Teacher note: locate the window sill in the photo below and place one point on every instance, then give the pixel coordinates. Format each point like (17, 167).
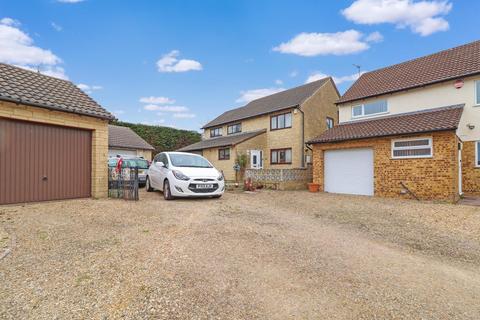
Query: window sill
(370, 115)
(280, 128)
(411, 158)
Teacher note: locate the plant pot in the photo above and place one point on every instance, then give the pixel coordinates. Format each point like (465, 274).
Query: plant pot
(313, 187)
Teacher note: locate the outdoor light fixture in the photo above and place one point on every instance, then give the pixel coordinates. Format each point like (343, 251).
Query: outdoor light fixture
(470, 126)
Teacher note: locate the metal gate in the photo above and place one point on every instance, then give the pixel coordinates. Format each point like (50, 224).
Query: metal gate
(123, 183)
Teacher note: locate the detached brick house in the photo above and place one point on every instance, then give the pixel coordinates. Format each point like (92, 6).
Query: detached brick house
(407, 130)
(270, 131)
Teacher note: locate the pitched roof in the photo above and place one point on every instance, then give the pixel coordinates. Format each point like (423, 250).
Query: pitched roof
(275, 102)
(124, 137)
(441, 66)
(31, 88)
(229, 140)
(438, 119)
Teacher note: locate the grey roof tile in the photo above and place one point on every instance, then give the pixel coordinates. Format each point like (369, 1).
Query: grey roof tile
(229, 140)
(430, 120)
(441, 66)
(279, 101)
(32, 88)
(124, 137)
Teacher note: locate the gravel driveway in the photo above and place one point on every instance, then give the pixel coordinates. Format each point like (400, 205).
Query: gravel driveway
(268, 255)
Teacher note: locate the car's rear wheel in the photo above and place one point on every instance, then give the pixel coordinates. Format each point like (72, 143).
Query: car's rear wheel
(148, 186)
(167, 194)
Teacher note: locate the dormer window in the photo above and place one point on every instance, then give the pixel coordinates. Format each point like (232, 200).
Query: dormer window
(368, 109)
(215, 132)
(234, 128)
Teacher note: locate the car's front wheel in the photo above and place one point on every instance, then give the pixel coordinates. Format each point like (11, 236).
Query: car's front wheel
(148, 186)
(167, 193)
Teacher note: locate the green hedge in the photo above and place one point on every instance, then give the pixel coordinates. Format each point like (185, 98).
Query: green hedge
(162, 138)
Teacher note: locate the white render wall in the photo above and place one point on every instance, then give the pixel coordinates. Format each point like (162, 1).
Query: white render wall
(432, 96)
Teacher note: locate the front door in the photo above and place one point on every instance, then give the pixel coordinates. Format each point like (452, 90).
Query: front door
(256, 161)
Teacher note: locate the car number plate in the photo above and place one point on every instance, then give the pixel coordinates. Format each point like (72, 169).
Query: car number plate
(204, 186)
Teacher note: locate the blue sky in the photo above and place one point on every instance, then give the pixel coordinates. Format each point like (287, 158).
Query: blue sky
(182, 63)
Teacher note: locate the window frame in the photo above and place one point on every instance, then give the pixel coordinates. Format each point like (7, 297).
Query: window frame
(477, 165)
(477, 93)
(278, 157)
(330, 119)
(220, 130)
(238, 124)
(430, 144)
(362, 105)
(225, 156)
(278, 115)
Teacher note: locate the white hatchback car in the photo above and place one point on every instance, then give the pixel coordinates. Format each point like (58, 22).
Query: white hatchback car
(180, 174)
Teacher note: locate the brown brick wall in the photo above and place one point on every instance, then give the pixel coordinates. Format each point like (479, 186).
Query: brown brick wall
(429, 178)
(471, 173)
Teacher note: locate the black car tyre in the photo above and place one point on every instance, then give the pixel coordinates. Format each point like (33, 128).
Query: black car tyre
(167, 194)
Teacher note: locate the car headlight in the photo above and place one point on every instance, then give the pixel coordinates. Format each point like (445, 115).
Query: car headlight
(180, 176)
(220, 176)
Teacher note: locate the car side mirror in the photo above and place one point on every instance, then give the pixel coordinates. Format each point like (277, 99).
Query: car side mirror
(160, 164)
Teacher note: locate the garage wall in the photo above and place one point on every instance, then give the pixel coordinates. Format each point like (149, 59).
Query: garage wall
(470, 172)
(429, 178)
(99, 129)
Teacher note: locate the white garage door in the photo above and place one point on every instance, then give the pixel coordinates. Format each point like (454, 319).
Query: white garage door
(349, 171)
(115, 152)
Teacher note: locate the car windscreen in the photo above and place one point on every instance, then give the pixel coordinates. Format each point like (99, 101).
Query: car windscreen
(142, 164)
(189, 160)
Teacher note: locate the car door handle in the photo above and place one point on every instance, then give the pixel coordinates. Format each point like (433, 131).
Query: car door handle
(44, 178)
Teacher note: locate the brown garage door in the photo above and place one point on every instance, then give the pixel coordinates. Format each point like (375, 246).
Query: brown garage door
(43, 162)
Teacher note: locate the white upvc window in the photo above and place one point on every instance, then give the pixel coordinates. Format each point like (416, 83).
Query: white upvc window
(477, 92)
(412, 148)
(372, 108)
(477, 154)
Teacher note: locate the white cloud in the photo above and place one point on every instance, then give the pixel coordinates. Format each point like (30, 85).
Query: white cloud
(88, 88)
(17, 48)
(117, 113)
(294, 73)
(152, 107)
(422, 17)
(153, 122)
(316, 76)
(374, 37)
(170, 63)
(57, 27)
(278, 82)
(249, 95)
(9, 22)
(338, 80)
(156, 100)
(184, 115)
(315, 44)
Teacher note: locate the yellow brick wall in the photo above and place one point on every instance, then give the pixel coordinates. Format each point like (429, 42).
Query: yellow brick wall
(99, 136)
(223, 165)
(146, 154)
(470, 172)
(318, 107)
(429, 178)
(242, 148)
